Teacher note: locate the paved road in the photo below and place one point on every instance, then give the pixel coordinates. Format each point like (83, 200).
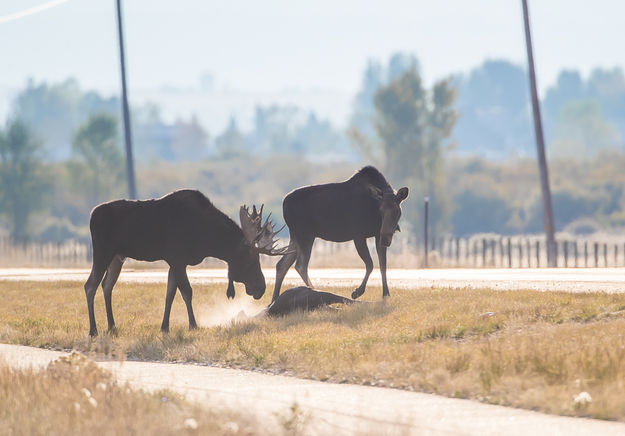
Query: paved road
(327, 408)
(572, 279)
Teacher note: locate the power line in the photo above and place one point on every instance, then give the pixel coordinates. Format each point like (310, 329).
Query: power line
(31, 11)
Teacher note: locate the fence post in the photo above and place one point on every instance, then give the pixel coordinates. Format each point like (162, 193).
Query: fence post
(426, 200)
(509, 252)
(615, 254)
(475, 252)
(537, 253)
(596, 247)
(555, 246)
(483, 252)
(575, 253)
(457, 251)
(565, 247)
(586, 254)
(605, 255)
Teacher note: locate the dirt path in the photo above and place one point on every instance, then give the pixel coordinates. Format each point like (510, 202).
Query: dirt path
(544, 279)
(327, 408)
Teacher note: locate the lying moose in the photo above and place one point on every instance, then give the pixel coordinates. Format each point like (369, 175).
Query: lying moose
(302, 298)
(361, 207)
(181, 228)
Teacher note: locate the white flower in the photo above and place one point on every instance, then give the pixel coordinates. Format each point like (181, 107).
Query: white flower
(190, 423)
(93, 402)
(582, 399)
(231, 426)
(87, 392)
(101, 386)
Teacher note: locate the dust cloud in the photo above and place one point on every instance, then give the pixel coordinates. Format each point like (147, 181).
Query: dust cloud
(231, 311)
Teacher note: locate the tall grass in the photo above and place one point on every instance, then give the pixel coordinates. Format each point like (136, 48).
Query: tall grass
(74, 396)
(537, 350)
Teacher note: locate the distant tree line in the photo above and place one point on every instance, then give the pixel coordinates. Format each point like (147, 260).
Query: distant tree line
(61, 154)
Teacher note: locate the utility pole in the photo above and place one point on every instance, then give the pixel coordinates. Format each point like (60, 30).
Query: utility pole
(540, 147)
(130, 167)
(426, 201)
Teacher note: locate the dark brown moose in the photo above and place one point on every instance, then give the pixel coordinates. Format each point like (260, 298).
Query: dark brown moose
(303, 299)
(181, 228)
(361, 207)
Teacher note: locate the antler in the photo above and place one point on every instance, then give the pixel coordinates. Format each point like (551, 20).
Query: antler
(260, 236)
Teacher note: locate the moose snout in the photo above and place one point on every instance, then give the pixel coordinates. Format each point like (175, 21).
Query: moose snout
(386, 240)
(257, 291)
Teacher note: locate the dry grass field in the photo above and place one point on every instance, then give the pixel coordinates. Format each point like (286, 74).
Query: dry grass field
(536, 350)
(74, 396)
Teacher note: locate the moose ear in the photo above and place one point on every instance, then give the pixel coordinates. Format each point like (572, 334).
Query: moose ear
(375, 192)
(402, 194)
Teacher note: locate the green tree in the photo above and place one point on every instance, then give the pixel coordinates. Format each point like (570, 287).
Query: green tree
(413, 128)
(493, 101)
(23, 180)
(97, 167)
(54, 110)
(582, 131)
(231, 143)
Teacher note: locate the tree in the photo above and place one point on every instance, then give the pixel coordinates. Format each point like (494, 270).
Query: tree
(477, 212)
(602, 95)
(23, 180)
(53, 111)
(97, 167)
(376, 75)
(582, 131)
(189, 141)
(413, 130)
(494, 122)
(230, 143)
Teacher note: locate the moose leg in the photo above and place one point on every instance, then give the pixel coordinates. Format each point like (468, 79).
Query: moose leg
(363, 252)
(91, 286)
(169, 299)
(283, 267)
(382, 260)
(112, 274)
(180, 273)
(303, 257)
(230, 291)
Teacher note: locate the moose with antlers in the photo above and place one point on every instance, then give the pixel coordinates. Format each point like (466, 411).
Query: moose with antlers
(181, 228)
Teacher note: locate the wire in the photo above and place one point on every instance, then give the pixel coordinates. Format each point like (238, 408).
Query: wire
(31, 11)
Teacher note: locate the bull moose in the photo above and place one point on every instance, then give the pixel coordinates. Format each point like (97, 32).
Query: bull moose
(361, 207)
(181, 228)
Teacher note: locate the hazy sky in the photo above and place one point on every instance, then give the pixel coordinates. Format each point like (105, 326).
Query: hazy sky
(277, 44)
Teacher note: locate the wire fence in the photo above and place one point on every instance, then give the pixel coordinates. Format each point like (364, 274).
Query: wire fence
(477, 251)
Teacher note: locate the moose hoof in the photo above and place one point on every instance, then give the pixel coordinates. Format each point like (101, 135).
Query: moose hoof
(357, 293)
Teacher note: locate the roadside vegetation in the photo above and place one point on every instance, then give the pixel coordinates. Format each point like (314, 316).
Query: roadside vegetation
(536, 350)
(73, 396)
